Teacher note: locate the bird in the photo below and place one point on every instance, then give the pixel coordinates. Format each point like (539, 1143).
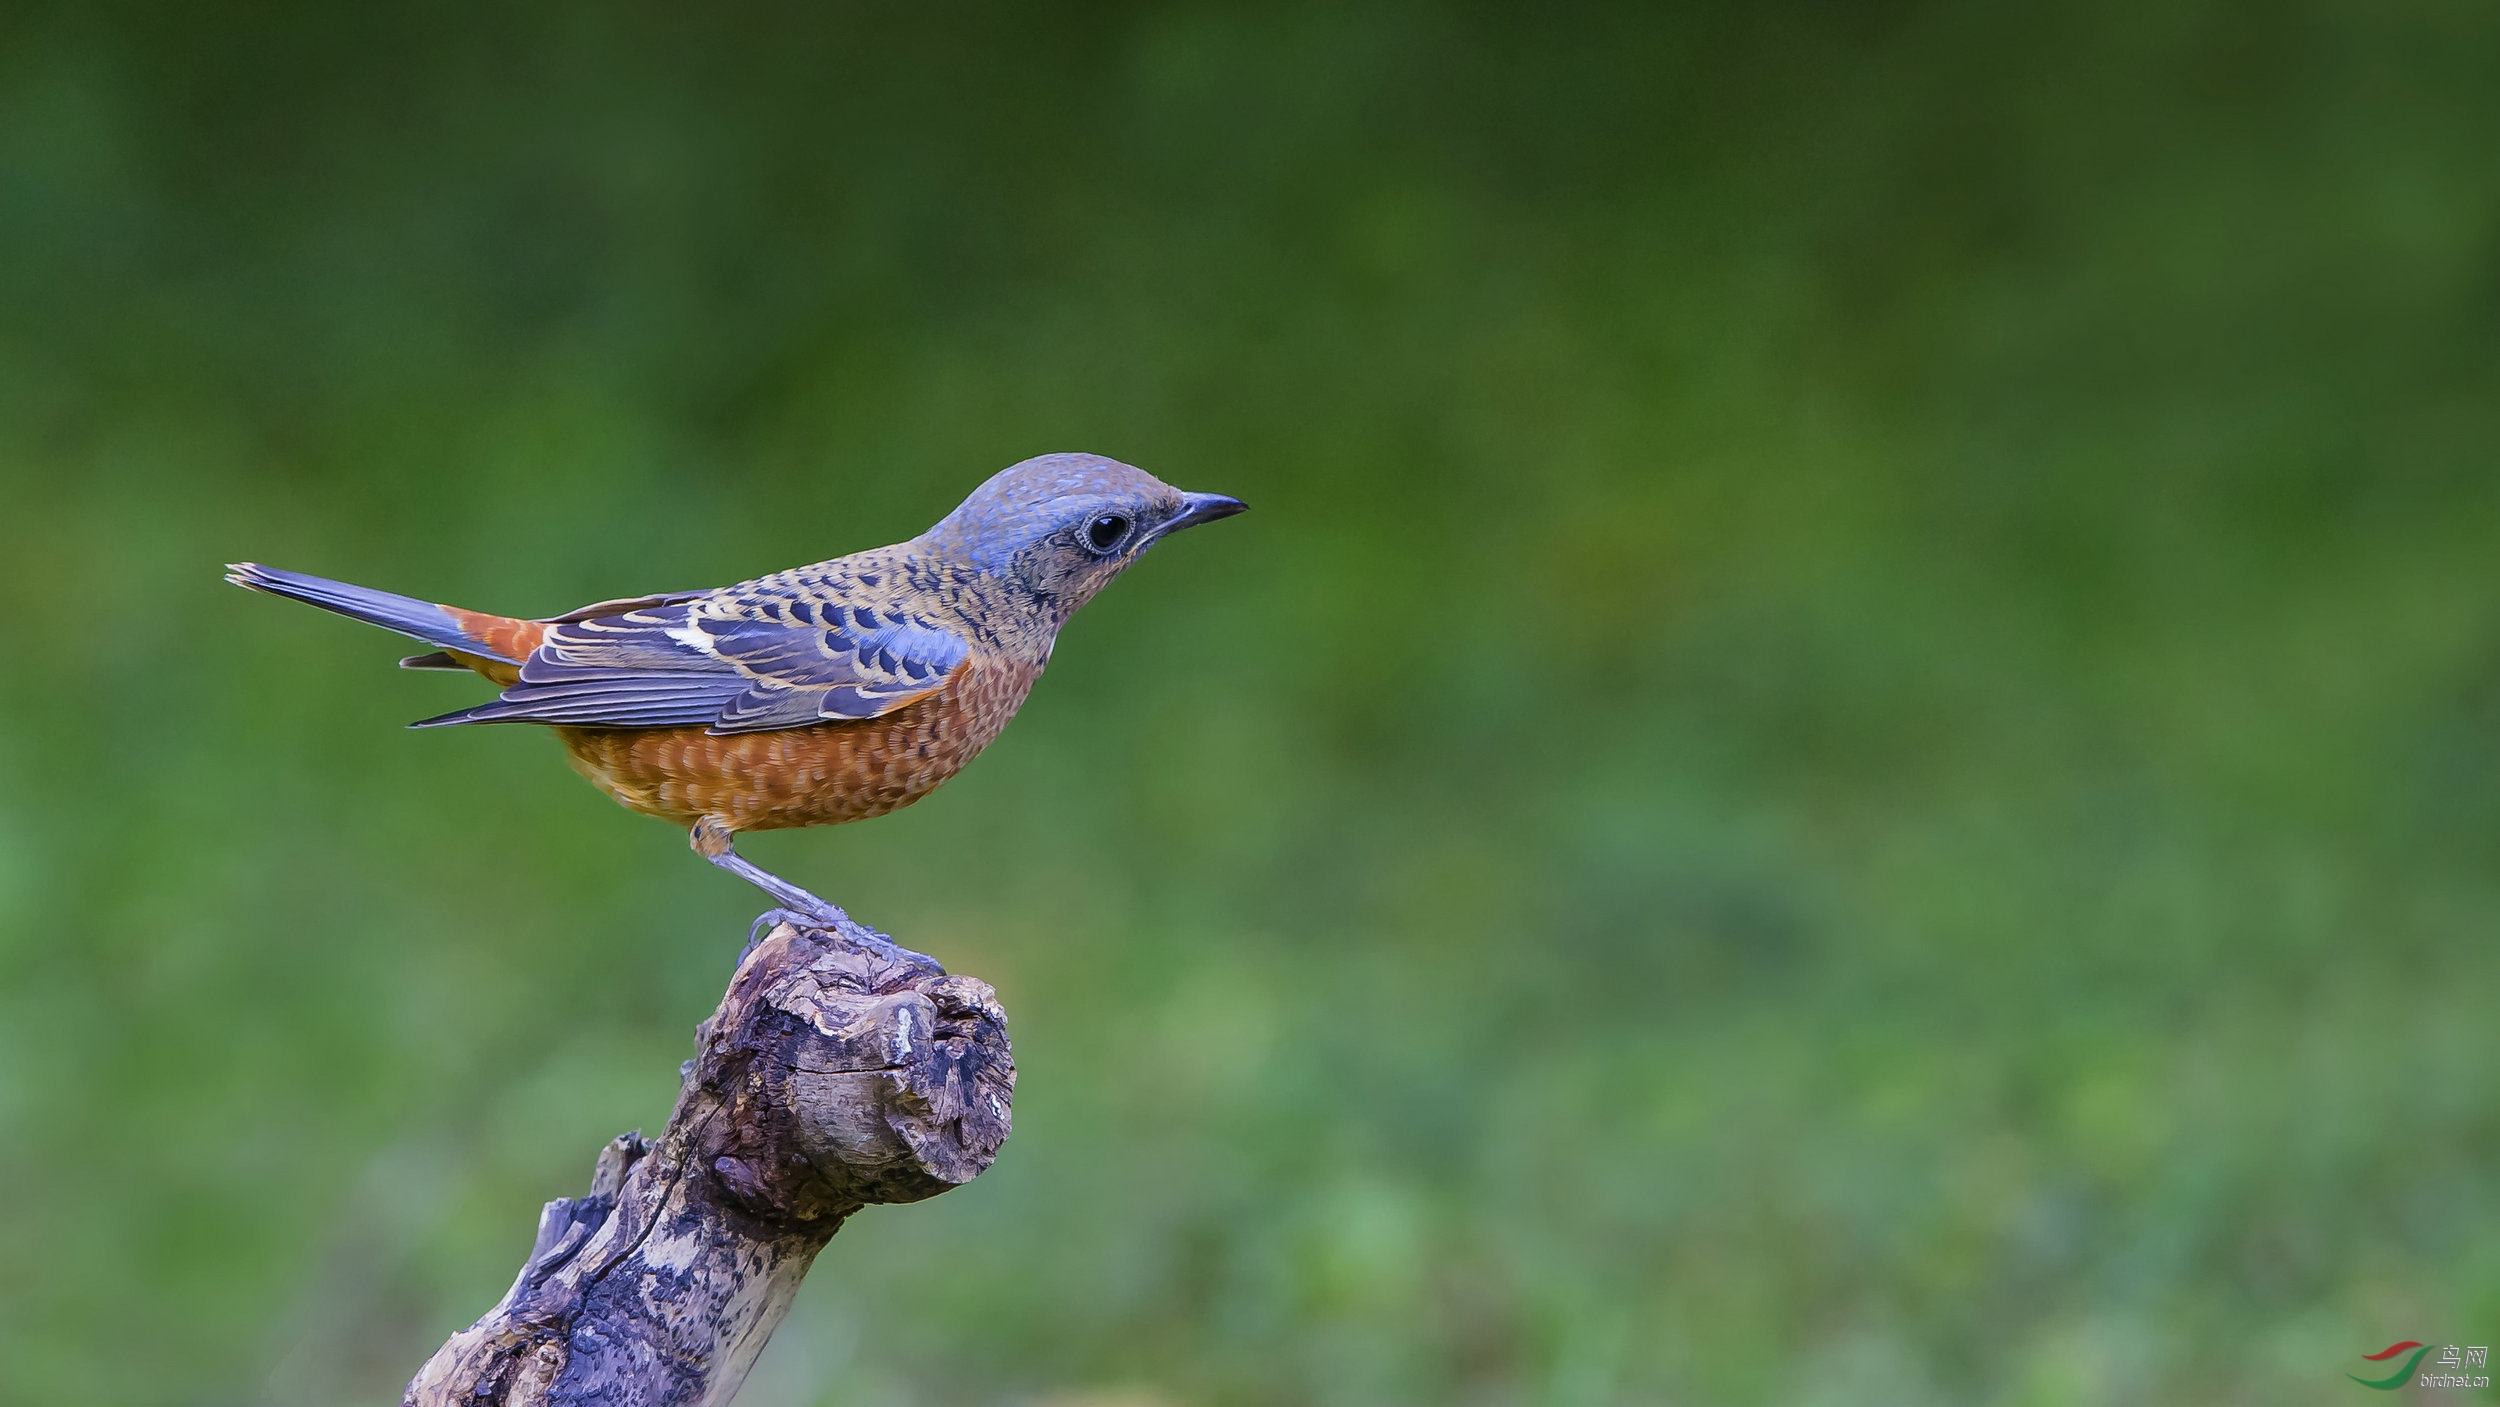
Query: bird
(815, 696)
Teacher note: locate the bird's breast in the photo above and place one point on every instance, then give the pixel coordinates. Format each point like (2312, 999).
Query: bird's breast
(820, 775)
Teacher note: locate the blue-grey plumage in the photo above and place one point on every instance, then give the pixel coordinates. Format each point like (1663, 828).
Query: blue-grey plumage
(812, 696)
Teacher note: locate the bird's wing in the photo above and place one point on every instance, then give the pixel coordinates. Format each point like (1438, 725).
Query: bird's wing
(812, 661)
(745, 661)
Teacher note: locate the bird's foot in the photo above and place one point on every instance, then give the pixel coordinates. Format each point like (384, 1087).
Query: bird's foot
(850, 931)
(826, 919)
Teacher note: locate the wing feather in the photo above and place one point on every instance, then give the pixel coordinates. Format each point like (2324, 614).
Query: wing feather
(743, 661)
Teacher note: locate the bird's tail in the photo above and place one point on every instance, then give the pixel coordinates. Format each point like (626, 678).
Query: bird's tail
(497, 638)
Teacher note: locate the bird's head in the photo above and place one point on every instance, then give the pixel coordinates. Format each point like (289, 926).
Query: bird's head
(1061, 526)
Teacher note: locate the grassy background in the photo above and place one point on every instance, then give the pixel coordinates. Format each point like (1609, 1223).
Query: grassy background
(1853, 756)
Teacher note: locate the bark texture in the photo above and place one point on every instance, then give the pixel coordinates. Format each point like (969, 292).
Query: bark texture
(838, 1071)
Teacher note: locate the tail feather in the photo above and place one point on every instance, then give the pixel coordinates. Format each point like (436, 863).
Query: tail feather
(435, 625)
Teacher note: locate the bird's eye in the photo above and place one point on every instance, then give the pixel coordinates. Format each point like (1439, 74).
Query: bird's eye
(1106, 531)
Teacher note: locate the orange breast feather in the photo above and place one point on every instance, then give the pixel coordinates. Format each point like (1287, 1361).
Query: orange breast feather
(819, 775)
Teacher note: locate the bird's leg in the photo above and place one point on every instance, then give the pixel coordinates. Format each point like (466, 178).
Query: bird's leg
(714, 841)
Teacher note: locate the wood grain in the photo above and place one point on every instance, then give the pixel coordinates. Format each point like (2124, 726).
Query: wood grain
(828, 1079)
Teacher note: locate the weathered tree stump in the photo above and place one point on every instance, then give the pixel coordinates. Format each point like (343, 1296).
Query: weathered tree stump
(838, 1071)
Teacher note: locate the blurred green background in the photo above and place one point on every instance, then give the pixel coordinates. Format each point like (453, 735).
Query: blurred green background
(1853, 755)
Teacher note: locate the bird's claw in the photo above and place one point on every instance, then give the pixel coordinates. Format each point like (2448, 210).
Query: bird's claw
(764, 924)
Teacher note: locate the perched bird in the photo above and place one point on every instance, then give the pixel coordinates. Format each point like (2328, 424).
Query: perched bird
(813, 696)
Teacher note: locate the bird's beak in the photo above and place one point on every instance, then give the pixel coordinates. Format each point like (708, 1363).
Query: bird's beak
(1202, 508)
